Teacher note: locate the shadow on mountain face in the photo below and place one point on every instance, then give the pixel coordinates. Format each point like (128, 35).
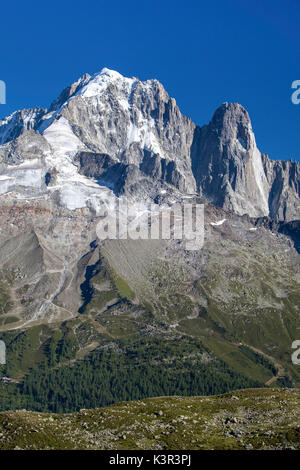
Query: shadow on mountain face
(292, 230)
(87, 290)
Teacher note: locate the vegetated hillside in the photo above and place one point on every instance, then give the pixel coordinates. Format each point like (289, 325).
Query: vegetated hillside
(249, 419)
(155, 319)
(150, 366)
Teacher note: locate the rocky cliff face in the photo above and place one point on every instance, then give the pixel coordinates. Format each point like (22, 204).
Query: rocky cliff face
(108, 133)
(106, 136)
(232, 173)
(284, 184)
(246, 420)
(227, 164)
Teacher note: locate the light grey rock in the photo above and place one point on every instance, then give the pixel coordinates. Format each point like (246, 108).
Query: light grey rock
(12, 126)
(284, 194)
(68, 92)
(232, 173)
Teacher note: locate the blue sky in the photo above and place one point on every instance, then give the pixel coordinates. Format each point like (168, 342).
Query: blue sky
(203, 52)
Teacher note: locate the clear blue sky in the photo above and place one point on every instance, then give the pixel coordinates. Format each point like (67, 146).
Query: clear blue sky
(204, 52)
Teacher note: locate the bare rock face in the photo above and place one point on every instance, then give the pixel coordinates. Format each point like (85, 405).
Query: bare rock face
(14, 125)
(133, 122)
(28, 146)
(284, 195)
(112, 133)
(232, 173)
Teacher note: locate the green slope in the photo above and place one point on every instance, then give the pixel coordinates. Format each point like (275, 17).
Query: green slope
(248, 419)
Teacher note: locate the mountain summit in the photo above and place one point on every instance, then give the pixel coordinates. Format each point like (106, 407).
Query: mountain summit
(107, 132)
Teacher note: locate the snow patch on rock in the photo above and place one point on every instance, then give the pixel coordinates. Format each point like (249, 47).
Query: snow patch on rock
(219, 222)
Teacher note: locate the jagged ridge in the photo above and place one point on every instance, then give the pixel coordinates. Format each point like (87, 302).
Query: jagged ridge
(130, 136)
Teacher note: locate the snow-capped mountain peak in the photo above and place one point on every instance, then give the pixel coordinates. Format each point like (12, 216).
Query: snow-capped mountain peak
(107, 132)
(99, 83)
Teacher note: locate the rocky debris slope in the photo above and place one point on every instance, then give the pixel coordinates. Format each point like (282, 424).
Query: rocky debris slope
(242, 286)
(257, 419)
